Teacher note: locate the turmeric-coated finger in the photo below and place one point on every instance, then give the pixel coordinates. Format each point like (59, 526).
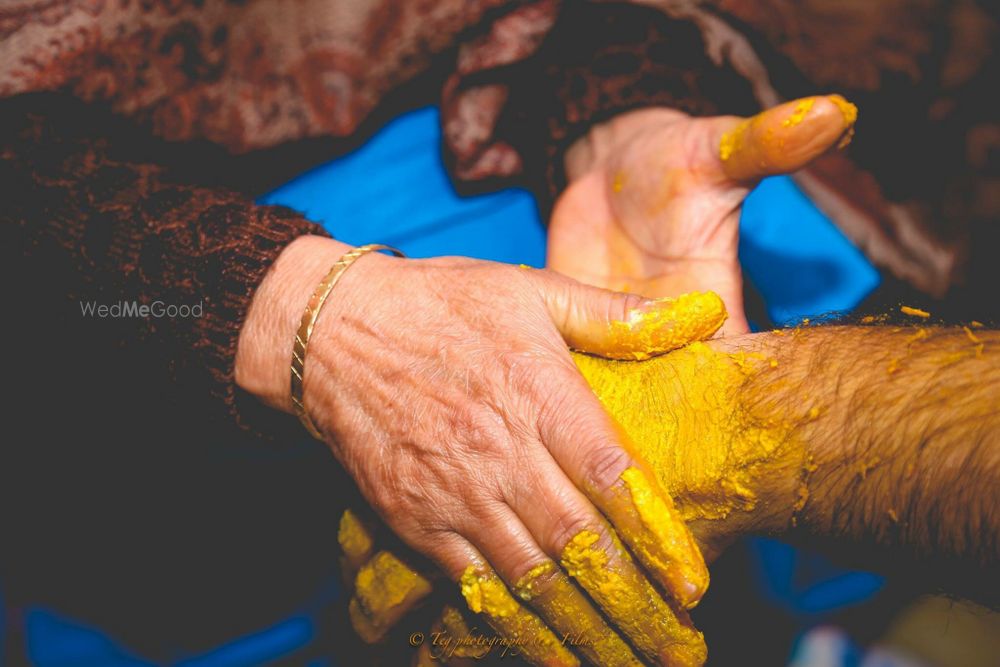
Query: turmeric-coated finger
(568, 611)
(662, 632)
(661, 325)
(357, 543)
(645, 518)
(525, 634)
(786, 137)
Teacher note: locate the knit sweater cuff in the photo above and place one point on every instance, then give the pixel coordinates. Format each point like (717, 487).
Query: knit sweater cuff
(268, 230)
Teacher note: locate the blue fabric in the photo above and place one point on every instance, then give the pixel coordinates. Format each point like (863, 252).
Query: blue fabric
(55, 641)
(800, 262)
(395, 190)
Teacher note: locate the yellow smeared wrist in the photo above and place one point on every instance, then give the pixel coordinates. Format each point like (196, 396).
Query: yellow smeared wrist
(716, 452)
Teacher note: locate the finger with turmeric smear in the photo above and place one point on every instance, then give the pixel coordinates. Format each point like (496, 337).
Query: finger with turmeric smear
(385, 589)
(784, 138)
(647, 520)
(525, 634)
(657, 326)
(568, 611)
(662, 632)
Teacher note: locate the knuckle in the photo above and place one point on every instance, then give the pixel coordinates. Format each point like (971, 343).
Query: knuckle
(567, 525)
(619, 304)
(445, 548)
(603, 465)
(560, 410)
(483, 512)
(519, 369)
(475, 429)
(537, 580)
(394, 508)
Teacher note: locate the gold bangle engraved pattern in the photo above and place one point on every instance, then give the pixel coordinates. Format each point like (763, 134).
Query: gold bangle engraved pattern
(308, 322)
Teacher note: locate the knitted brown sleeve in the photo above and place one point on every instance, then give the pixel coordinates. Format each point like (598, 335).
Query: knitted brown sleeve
(102, 229)
(597, 61)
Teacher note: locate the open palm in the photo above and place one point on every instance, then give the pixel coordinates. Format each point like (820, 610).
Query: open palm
(654, 197)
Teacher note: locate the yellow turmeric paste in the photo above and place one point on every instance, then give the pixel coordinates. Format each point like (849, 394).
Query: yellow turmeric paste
(801, 109)
(685, 420)
(850, 113)
(665, 534)
(552, 592)
(384, 589)
(733, 140)
(453, 622)
(915, 312)
(618, 182)
(354, 539)
(530, 638)
(664, 325)
(849, 110)
(675, 641)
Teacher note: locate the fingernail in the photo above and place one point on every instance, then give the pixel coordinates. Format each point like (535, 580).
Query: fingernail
(849, 110)
(850, 114)
(667, 546)
(660, 325)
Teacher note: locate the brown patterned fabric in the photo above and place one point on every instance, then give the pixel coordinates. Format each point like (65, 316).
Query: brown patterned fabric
(243, 74)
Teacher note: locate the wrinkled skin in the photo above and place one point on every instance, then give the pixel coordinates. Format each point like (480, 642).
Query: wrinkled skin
(446, 389)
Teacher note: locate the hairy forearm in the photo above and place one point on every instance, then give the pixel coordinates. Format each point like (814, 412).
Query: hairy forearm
(902, 432)
(866, 434)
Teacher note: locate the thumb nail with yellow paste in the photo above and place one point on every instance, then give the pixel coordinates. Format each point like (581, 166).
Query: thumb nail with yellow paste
(662, 325)
(786, 137)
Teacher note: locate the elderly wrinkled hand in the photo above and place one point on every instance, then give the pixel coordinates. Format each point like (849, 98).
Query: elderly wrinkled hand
(446, 390)
(682, 414)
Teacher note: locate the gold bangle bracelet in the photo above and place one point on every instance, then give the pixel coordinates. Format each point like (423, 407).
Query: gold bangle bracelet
(308, 322)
